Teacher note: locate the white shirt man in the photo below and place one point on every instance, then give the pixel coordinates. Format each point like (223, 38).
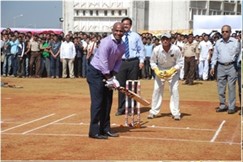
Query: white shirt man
(205, 47)
(67, 55)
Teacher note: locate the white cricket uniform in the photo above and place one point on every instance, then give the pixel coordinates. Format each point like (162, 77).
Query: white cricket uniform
(203, 65)
(164, 61)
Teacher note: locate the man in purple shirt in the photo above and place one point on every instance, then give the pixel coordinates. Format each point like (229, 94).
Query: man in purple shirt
(104, 65)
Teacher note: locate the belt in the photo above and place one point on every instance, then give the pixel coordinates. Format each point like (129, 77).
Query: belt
(226, 63)
(189, 56)
(130, 59)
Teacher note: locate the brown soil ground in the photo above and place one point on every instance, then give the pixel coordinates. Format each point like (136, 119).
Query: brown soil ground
(48, 119)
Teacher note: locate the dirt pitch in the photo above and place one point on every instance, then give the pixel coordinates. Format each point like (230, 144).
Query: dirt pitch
(48, 119)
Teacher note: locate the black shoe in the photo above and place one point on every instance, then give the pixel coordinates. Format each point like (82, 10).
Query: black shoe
(109, 134)
(185, 83)
(118, 113)
(231, 111)
(221, 110)
(98, 136)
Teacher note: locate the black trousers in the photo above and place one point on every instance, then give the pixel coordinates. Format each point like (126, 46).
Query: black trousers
(189, 69)
(129, 71)
(101, 101)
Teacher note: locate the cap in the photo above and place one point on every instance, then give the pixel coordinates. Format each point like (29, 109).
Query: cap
(167, 35)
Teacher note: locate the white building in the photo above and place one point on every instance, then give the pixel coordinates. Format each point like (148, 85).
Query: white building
(94, 16)
(153, 16)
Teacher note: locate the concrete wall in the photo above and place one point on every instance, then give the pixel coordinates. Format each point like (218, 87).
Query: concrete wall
(74, 19)
(68, 16)
(168, 15)
(153, 15)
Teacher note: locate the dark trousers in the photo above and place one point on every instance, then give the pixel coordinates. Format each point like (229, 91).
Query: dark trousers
(21, 66)
(189, 69)
(78, 66)
(55, 66)
(101, 102)
(35, 57)
(15, 65)
(128, 71)
(147, 68)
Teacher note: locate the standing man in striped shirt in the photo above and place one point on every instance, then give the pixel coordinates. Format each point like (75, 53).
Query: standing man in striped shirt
(226, 53)
(103, 66)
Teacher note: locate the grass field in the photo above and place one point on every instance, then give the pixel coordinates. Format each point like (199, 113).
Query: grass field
(48, 119)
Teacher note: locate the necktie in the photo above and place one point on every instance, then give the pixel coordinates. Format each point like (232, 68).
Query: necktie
(127, 46)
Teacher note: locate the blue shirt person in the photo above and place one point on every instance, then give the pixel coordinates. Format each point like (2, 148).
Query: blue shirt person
(14, 43)
(225, 54)
(104, 65)
(148, 52)
(132, 61)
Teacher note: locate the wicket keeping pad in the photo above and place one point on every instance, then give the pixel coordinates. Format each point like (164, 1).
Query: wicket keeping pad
(134, 96)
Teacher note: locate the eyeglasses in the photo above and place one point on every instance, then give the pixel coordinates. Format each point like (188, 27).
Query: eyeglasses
(225, 31)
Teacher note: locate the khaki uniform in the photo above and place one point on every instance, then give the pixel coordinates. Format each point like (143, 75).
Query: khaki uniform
(190, 53)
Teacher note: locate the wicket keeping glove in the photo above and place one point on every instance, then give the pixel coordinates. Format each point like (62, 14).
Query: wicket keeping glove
(112, 83)
(159, 73)
(170, 72)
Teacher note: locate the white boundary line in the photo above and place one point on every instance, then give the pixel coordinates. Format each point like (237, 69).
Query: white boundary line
(217, 132)
(48, 124)
(153, 126)
(181, 128)
(124, 137)
(32, 121)
(235, 133)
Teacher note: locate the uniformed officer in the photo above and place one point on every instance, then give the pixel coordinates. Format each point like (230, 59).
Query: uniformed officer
(191, 56)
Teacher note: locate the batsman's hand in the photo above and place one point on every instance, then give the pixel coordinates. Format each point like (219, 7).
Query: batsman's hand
(112, 83)
(169, 73)
(159, 73)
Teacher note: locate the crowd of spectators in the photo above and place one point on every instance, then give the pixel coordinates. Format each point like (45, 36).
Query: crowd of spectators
(41, 55)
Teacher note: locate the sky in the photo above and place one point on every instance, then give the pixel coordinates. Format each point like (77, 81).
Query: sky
(35, 14)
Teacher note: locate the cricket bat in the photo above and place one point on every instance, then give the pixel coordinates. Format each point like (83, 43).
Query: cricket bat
(133, 95)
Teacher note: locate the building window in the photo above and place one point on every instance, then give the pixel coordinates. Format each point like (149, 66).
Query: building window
(91, 13)
(105, 12)
(77, 13)
(126, 12)
(84, 12)
(97, 13)
(112, 12)
(193, 12)
(120, 12)
(203, 12)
